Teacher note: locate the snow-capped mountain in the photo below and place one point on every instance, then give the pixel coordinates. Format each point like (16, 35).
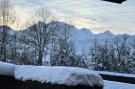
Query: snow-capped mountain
(105, 35)
(82, 38)
(82, 34)
(86, 34)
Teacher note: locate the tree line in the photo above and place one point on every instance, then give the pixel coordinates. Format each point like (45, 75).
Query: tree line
(117, 55)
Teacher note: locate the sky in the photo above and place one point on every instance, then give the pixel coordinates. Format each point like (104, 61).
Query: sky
(96, 15)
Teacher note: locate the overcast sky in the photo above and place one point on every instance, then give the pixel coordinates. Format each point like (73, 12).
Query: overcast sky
(96, 15)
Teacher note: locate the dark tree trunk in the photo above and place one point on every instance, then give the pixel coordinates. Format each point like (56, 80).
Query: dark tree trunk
(4, 42)
(39, 62)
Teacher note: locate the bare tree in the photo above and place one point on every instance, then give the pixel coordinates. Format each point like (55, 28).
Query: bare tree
(112, 56)
(122, 54)
(7, 17)
(93, 51)
(63, 51)
(38, 35)
(15, 41)
(117, 42)
(63, 47)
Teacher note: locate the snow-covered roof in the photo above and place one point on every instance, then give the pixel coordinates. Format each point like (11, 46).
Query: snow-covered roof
(7, 69)
(58, 75)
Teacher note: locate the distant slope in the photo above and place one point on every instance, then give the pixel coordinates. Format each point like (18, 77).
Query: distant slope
(82, 38)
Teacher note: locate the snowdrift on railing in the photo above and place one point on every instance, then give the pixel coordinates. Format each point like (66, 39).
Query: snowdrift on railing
(70, 76)
(7, 69)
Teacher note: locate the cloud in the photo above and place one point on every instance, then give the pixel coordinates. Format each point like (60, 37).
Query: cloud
(96, 14)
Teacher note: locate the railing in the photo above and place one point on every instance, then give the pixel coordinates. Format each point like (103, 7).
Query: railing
(118, 78)
(9, 82)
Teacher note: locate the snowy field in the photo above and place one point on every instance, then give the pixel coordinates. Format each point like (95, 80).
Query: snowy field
(117, 85)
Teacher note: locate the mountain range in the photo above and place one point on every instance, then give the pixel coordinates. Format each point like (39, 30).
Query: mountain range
(83, 38)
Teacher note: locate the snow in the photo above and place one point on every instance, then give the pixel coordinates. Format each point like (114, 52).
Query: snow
(116, 74)
(58, 75)
(117, 85)
(63, 75)
(7, 69)
(107, 35)
(55, 75)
